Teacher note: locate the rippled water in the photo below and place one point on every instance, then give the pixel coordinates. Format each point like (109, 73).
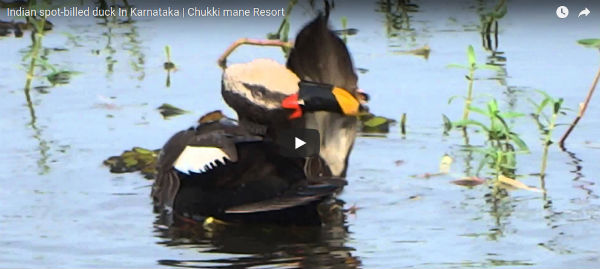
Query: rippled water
(62, 208)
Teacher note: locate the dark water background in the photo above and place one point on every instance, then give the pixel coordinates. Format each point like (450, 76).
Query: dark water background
(60, 207)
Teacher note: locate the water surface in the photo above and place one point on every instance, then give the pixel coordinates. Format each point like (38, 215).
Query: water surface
(62, 208)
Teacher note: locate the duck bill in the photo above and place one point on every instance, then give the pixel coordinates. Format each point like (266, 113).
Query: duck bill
(346, 101)
(313, 97)
(292, 103)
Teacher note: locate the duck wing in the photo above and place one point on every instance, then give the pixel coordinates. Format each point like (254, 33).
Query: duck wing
(194, 151)
(299, 196)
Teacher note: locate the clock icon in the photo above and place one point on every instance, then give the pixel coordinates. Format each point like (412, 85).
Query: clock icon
(562, 12)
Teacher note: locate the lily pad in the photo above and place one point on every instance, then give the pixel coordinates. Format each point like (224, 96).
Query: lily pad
(167, 111)
(136, 159)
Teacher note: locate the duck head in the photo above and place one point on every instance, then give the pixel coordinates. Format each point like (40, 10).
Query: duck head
(317, 89)
(255, 91)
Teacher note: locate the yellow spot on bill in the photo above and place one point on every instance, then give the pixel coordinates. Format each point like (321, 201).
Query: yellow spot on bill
(349, 105)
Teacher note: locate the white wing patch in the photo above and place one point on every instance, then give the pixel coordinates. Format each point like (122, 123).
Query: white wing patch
(199, 159)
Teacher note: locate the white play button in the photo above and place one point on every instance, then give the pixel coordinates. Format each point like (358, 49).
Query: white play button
(298, 143)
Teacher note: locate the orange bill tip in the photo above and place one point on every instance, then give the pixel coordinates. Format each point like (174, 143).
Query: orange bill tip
(291, 102)
(296, 114)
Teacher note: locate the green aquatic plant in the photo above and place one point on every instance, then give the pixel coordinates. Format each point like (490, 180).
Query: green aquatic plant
(344, 20)
(498, 129)
(403, 124)
(168, 65)
(33, 55)
(283, 31)
(37, 57)
(502, 142)
(370, 123)
(36, 46)
(136, 159)
(471, 67)
(285, 23)
(546, 123)
(595, 44)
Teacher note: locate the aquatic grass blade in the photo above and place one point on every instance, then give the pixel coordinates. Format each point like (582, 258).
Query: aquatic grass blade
(471, 56)
(479, 111)
(457, 66)
(464, 123)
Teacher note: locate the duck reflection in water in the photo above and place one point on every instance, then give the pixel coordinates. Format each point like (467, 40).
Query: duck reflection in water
(256, 245)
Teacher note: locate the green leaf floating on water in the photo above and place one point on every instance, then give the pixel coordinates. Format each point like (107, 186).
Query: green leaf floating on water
(375, 121)
(167, 111)
(590, 42)
(371, 123)
(136, 159)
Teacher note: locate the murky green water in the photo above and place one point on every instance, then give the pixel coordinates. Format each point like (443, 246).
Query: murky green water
(60, 207)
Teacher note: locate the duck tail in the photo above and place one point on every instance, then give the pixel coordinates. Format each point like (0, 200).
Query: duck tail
(319, 55)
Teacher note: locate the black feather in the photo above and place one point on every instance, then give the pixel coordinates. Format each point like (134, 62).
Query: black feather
(319, 55)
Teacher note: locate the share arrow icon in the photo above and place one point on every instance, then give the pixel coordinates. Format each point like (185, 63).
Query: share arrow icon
(584, 12)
